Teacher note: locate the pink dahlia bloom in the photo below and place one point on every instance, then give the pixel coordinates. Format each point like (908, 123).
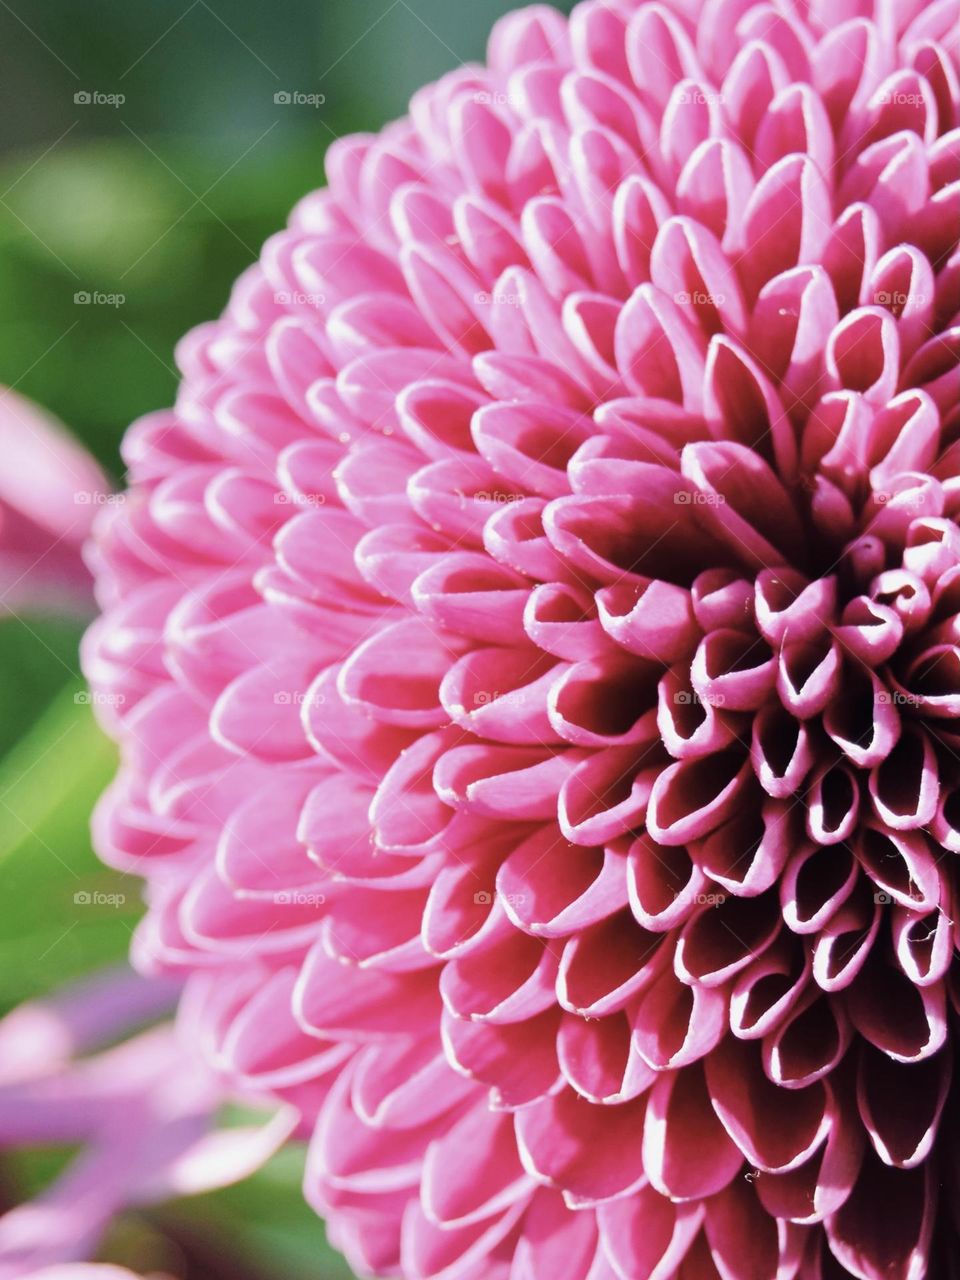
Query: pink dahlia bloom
(50, 489)
(537, 626)
(142, 1112)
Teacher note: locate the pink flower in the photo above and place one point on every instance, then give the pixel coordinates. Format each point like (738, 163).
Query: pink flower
(50, 489)
(537, 627)
(142, 1112)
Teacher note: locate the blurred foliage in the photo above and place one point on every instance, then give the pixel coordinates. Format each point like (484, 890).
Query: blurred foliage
(283, 1236)
(65, 913)
(259, 1229)
(163, 198)
(166, 197)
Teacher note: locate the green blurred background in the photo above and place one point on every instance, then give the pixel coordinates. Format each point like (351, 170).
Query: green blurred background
(143, 155)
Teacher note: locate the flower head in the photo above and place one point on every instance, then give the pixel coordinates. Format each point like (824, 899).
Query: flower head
(537, 627)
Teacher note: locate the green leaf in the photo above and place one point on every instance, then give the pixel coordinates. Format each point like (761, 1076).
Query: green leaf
(62, 913)
(268, 1222)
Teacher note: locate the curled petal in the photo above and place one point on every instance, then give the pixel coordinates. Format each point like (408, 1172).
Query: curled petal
(647, 1234)
(687, 1152)
(886, 1224)
(901, 1105)
(560, 1145)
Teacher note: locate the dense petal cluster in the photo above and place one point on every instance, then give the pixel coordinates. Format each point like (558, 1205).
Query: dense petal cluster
(534, 638)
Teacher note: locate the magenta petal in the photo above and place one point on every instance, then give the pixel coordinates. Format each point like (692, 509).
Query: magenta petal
(746, 1244)
(600, 1060)
(647, 1235)
(690, 799)
(473, 1171)
(606, 794)
(781, 751)
(885, 1226)
(653, 620)
(687, 1153)
(776, 1129)
(901, 1105)
(509, 979)
(559, 1141)
(541, 901)
(603, 967)
(516, 1060)
(676, 1024)
(556, 1241)
(331, 997)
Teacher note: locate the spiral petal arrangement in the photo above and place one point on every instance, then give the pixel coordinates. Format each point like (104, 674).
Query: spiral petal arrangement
(534, 637)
